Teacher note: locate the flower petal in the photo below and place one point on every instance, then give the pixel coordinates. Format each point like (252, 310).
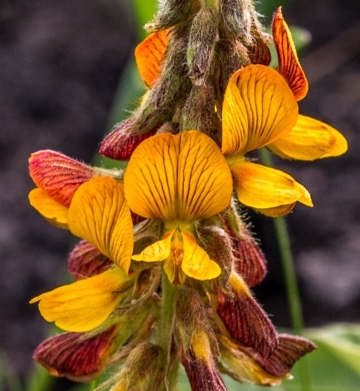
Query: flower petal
(263, 187)
(196, 262)
(58, 175)
(157, 251)
(149, 55)
(310, 139)
(99, 213)
(258, 108)
(50, 209)
(289, 65)
(178, 177)
(85, 304)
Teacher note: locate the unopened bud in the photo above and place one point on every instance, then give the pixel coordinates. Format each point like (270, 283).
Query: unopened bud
(171, 13)
(141, 369)
(249, 260)
(85, 260)
(77, 356)
(121, 142)
(238, 16)
(201, 44)
(199, 112)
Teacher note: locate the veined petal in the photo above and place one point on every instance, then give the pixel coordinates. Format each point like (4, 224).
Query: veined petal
(99, 213)
(85, 304)
(149, 55)
(310, 139)
(289, 65)
(157, 251)
(58, 175)
(196, 263)
(50, 209)
(178, 177)
(259, 107)
(263, 187)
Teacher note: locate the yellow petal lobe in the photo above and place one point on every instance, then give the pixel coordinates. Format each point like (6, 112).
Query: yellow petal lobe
(196, 262)
(263, 187)
(50, 209)
(82, 305)
(157, 251)
(180, 177)
(289, 65)
(310, 139)
(259, 107)
(149, 55)
(99, 213)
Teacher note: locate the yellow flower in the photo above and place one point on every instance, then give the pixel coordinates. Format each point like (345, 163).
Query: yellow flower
(259, 107)
(85, 304)
(98, 213)
(309, 139)
(178, 179)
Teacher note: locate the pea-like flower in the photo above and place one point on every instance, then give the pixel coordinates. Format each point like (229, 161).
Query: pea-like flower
(178, 179)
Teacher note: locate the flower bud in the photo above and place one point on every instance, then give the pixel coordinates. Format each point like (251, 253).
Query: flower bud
(218, 246)
(141, 369)
(85, 260)
(171, 13)
(243, 318)
(77, 356)
(237, 17)
(199, 112)
(249, 260)
(200, 50)
(121, 142)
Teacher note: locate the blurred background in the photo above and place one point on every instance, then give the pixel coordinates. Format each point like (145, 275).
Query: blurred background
(61, 63)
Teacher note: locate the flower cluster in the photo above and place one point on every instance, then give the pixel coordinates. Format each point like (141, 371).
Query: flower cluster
(166, 262)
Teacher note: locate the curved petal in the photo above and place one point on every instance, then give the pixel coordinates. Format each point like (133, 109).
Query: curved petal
(50, 209)
(196, 263)
(289, 65)
(263, 187)
(82, 305)
(259, 107)
(157, 251)
(99, 213)
(310, 139)
(58, 175)
(149, 55)
(178, 177)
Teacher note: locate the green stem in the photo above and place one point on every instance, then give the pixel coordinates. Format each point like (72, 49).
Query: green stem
(291, 284)
(165, 329)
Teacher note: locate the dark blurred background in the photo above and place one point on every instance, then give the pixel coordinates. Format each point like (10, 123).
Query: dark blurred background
(60, 64)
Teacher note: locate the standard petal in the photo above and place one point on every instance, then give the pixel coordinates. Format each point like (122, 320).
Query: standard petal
(50, 209)
(195, 262)
(263, 187)
(258, 108)
(157, 251)
(289, 65)
(99, 214)
(310, 139)
(183, 177)
(85, 304)
(149, 55)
